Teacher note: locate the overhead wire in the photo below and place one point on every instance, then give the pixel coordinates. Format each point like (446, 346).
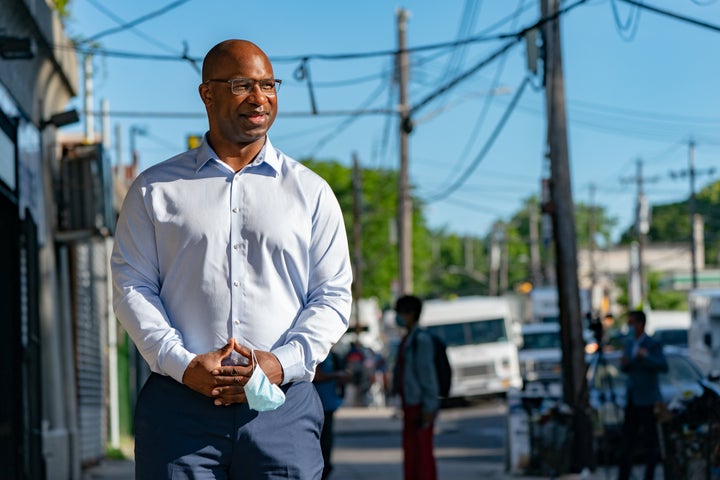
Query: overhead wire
(486, 148)
(347, 122)
(485, 109)
(117, 19)
(627, 29)
(137, 21)
(676, 16)
(469, 15)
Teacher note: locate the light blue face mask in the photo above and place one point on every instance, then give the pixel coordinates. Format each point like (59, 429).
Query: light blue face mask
(260, 393)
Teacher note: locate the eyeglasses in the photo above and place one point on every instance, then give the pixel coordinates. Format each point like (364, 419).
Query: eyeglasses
(244, 86)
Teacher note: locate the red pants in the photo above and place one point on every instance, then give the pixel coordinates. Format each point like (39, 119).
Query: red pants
(419, 459)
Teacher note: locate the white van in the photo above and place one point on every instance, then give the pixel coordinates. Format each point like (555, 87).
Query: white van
(704, 334)
(669, 327)
(544, 306)
(481, 343)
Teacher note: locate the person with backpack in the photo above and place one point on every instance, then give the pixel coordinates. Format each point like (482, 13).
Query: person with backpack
(416, 382)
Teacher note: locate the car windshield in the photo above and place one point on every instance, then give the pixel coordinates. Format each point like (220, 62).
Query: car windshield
(677, 337)
(471, 333)
(537, 340)
(607, 374)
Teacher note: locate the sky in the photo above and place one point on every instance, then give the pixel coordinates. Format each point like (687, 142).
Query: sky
(639, 86)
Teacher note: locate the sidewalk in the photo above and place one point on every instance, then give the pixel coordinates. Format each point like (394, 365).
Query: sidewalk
(375, 461)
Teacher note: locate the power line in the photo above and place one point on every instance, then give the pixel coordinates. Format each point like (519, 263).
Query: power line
(181, 115)
(85, 49)
(676, 16)
(135, 22)
(486, 148)
(486, 106)
(629, 28)
(108, 13)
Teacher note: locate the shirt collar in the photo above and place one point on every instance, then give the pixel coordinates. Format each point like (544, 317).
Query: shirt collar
(267, 155)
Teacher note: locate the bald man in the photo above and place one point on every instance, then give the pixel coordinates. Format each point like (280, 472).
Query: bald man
(232, 276)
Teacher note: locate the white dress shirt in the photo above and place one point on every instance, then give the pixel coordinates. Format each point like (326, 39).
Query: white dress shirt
(203, 253)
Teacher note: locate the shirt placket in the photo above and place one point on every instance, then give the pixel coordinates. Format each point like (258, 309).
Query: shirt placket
(237, 255)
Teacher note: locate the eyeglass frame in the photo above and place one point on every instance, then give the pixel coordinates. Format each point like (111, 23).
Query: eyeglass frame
(276, 84)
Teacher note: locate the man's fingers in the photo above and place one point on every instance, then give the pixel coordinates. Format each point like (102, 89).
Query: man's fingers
(228, 395)
(227, 348)
(243, 350)
(225, 380)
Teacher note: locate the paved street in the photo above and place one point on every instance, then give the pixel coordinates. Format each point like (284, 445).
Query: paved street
(469, 446)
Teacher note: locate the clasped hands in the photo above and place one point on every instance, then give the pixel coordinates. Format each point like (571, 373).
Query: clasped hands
(207, 375)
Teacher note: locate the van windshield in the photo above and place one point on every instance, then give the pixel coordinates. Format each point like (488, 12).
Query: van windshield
(474, 332)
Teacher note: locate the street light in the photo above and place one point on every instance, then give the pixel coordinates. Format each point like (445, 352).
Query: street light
(61, 119)
(16, 48)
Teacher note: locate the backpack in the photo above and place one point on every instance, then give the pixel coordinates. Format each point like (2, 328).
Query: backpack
(443, 370)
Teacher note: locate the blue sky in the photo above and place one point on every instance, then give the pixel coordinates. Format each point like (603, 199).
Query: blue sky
(639, 86)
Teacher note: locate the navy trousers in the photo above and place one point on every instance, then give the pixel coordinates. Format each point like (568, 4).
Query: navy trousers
(181, 434)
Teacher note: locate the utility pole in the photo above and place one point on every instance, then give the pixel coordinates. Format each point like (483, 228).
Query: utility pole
(536, 268)
(691, 172)
(494, 261)
(469, 257)
(88, 100)
(563, 220)
(591, 243)
(504, 262)
(691, 201)
(642, 226)
(405, 208)
(357, 238)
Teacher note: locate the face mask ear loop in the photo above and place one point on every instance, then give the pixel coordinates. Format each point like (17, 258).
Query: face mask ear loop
(253, 360)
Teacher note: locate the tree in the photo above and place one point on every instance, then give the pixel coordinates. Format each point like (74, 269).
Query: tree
(379, 266)
(670, 222)
(459, 266)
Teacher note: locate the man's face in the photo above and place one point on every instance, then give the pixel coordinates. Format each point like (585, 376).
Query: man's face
(636, 326)
(239, 119)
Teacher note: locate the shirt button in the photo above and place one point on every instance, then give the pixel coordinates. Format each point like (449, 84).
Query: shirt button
(237, 322)
(236, 246)
(236, 284)
(235, 210)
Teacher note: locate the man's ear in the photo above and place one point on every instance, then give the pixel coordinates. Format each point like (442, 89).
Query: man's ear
(205, 93)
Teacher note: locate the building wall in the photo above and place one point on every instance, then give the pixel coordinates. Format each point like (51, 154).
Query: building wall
(31, 90)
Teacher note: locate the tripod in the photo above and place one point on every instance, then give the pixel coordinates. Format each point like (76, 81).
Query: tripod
(609, 412)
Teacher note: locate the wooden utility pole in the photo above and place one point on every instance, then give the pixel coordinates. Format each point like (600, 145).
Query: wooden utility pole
(692, 174)
(642, 225)
(357, 239)
(563, 220)
(693, 252)
(404, 213)
(536, 267)
(592, 247)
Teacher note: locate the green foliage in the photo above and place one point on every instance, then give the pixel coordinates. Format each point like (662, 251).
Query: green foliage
(671, 222)
(664, 299)
(379, 265)
(459, 266)
(658, 298)
(62, 7)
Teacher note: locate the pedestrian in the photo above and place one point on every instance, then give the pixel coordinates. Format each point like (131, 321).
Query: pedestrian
(232, 276)
(416, 383)
(330, 379)
(642, 360)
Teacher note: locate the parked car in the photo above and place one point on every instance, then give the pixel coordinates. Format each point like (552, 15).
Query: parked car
(607, 395)
(676, 337)
(540, 358)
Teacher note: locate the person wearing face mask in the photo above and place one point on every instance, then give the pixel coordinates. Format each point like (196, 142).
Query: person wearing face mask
(643, 360)
(415, 381)
(231, 274)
